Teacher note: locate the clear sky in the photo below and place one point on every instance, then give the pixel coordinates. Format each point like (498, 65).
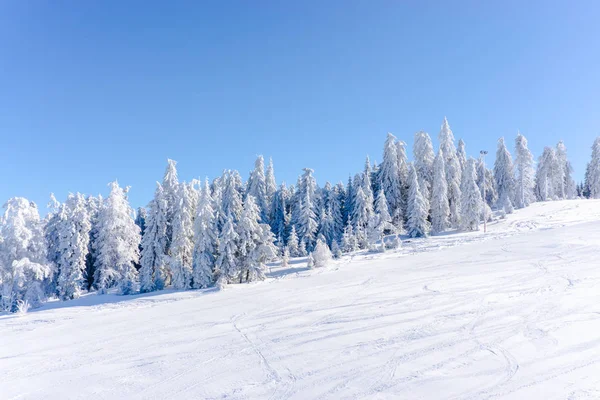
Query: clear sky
(91, 91)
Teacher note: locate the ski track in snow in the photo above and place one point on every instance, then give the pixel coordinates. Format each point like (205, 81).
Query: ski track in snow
(510, 314)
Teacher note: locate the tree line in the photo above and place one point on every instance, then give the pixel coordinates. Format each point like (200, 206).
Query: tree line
(203, 233)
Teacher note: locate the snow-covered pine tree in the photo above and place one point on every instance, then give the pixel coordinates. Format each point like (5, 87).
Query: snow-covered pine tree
(327, 226)
(504, 177)
(348, 199)
(182, 246)
(471, 199)
(205, 241)
(336, 250)
(565, 185)
(285, 258)
(440, 209)
(362, 210)
(74, 238)
(293, 244)
(545, 175)
(271, 184)
(453, 172)
(389, 180)
(322, 255)
(280, 215)
(24, 267)
(349, 241)
(257, 187)
(486, 175)
(424, 156)
(153, 272)
(367, 186)
(118, 244)
(418, 208)
(170, 187)
(94, 204)
(593, 171)
(337, 210)
(307, 222)
(255, 246)
(227, 266)
(403, 176)
(524, 172)
(461, 154)
(384, 219)
(52, 222)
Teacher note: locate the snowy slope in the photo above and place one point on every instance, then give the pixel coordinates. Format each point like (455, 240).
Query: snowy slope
(512, 314)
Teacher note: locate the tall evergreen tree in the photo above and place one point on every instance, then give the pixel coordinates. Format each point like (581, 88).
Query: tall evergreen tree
(153, 272)
(471, 199)
(403, 176)
(24, 267)
(227, 266)
(418, 208)
(170, 187)
(461, 154)
(453, 172)
(74, 238)
(118, 244)
(389, 179)
(205, 241)
(524, 173)
(307, 222)
(423, 161)
(546, 172)
(183, 238)
(505, 178)
(271, 184)
(564, 181)
(440, 209)
(257, 187)
(593, 171)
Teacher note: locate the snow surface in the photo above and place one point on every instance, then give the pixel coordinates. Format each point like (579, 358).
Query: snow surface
(513, 314)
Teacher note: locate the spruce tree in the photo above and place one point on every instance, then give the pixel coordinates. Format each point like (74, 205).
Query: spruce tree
(293, 244)
(504, 177)
(423, 161)
(257, 187)
(417, 224)
(183, 238)
(471, 199)
(593, 171)
(205, 241)
(440, 209)
(524, 172)
(74, 237)
(153, 272)
(118, 244)
(389, 180)
(453, 172)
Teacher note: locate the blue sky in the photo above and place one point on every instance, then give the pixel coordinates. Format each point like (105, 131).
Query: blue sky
(94, 91)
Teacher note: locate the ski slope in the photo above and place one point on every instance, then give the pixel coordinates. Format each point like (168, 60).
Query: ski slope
(512, 314)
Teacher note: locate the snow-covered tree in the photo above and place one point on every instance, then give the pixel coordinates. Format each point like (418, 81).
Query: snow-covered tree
(183, 238)
(440, 209)
(362, 210)
(227, 266)
(336, 206)
(349, 240)
(461, 154)
(453, 172)
(205, 241)
(423, 161)
(384, 219)
(504, 177)
(327, 226)
(307, 222)
(545, 176)
(593, 171)
(170, 187)
(293, 244)
(471, 199)
(280, 218)
(24, 267)
(140, 219)
(257, 187)
(524, 172)
(485, 177)
(94, 205)
(255, 246)
(74, 238)
(153, 272)
(271, 185)
(417, 211)
(322, 255)
(389, 179)
(336, 250)
(118, 244)
(403, 176)
(564, 183)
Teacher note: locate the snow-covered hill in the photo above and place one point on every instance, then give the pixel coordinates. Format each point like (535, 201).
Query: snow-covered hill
(513, 314)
